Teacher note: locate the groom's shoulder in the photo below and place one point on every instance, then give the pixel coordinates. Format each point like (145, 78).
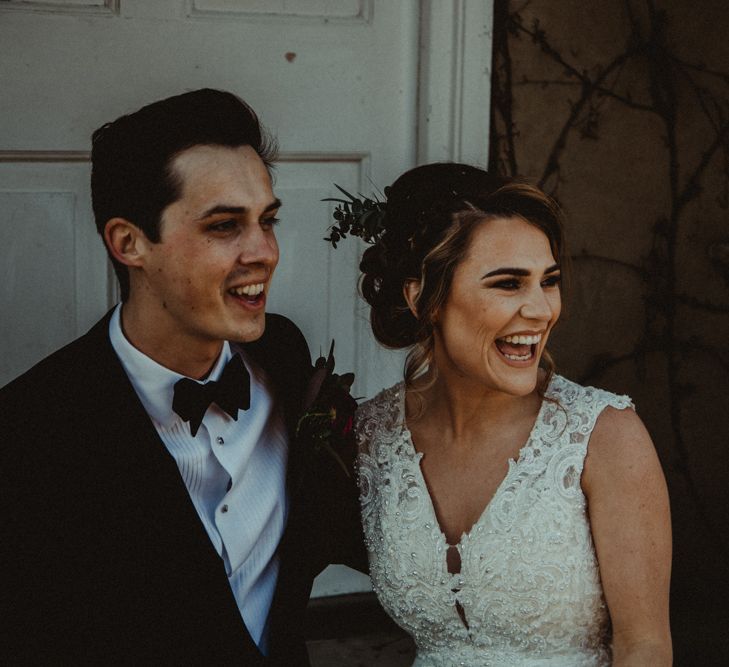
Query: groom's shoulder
(281, 339)
(57, 374)
(281, 330)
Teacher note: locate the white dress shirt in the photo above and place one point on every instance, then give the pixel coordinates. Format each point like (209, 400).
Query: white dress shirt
(234, 471)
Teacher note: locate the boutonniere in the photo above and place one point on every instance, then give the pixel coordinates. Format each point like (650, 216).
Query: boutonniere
(327, 423)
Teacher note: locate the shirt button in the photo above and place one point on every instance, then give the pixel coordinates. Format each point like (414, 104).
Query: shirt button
(220, 440)
(224, 509)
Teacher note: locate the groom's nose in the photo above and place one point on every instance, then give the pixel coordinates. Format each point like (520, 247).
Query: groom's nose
(258, 245)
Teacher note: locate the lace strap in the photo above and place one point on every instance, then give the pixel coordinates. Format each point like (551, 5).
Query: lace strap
(604, 399)
(375, 415)
(362, 431)
(583, 406)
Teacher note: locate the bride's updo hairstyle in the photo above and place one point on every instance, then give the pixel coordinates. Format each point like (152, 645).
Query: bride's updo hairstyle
(431, 213)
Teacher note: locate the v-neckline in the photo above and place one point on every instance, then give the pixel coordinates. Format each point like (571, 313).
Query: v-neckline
(511, 463)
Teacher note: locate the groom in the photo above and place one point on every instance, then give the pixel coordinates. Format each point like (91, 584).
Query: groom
(156, 507)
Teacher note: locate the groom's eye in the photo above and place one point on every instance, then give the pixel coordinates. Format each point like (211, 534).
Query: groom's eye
(222, 226)
(270, 222)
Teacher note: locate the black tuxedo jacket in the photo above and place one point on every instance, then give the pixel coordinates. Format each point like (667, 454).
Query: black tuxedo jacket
(104, 558)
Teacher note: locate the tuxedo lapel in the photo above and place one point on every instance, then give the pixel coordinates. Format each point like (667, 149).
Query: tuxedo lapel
(152, 500)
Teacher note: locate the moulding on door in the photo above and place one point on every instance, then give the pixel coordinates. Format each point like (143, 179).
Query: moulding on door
(320, 11)
(102, 7)
(455, 80)
(317, 156)
(45, 156)
(85, 156)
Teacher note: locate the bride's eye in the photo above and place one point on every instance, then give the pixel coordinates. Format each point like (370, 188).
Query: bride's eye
(552, 281)
(507, 284)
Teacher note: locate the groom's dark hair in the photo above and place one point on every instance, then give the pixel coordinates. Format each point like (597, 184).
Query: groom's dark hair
(131, 156)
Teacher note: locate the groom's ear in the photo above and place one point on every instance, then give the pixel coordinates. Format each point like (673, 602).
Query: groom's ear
(126, 242)
(411, 292)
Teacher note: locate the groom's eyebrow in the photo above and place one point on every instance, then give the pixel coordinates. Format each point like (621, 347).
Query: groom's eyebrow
(237, 210)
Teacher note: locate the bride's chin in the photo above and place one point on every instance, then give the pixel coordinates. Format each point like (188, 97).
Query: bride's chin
(520, 383)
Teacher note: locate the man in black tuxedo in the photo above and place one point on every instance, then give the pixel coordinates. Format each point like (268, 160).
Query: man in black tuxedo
(156, 507)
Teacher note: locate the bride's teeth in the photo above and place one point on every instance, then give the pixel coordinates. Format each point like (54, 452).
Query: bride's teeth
(523, 340)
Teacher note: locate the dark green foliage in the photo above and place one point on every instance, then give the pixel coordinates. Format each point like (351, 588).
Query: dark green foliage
(357, 216)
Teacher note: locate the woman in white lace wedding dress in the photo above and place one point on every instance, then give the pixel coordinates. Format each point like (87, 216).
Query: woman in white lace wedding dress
(512, 517)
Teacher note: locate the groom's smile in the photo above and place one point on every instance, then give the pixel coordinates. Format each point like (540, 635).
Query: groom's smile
(206, 280)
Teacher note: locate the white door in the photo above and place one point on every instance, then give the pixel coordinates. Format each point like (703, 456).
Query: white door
(356, 91)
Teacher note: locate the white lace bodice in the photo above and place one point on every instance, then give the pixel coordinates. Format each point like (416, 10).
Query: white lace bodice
(529, 584)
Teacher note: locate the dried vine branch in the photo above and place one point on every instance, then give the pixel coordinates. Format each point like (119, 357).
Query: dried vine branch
(647, 49)
(592, 257)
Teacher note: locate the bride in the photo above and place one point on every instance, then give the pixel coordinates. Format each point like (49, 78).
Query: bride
(512, 517)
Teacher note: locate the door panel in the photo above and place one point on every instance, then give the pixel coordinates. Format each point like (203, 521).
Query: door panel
(336, 82)
(53, 279)
(341, 83)
(312, 279)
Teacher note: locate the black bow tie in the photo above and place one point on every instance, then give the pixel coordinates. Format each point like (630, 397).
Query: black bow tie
(232, 393)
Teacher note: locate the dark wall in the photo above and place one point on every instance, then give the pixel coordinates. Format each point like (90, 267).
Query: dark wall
(621, 110)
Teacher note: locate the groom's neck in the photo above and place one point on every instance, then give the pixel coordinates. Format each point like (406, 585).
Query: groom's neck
(168, 343)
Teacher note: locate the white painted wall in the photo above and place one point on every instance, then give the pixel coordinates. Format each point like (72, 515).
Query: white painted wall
(357, 91)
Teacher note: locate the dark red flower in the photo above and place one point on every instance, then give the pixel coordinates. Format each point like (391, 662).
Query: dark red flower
(328, 419)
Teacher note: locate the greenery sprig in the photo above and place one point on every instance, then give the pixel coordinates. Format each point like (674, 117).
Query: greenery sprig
(357, 216)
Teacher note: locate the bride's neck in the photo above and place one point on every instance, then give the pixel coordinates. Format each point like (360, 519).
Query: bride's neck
(461, 406)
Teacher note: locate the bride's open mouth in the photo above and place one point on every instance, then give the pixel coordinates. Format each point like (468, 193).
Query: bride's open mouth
(520, 347)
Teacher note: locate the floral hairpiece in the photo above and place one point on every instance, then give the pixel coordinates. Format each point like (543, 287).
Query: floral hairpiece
(357, 216)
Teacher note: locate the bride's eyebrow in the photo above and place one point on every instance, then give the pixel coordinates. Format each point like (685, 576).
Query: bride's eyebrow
(512, 271)
(506, 271)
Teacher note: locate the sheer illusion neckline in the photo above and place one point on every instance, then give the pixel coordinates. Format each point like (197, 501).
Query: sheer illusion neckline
(512, 464)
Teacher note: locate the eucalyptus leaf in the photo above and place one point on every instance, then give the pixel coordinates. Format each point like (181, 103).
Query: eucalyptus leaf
(344, 192)
(359, 216)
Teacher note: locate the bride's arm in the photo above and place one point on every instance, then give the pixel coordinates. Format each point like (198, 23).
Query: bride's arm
(631, 527)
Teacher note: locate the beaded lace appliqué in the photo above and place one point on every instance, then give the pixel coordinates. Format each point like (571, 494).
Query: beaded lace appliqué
(529, 584)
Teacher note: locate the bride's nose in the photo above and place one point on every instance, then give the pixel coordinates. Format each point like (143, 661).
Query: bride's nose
(536, 306)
